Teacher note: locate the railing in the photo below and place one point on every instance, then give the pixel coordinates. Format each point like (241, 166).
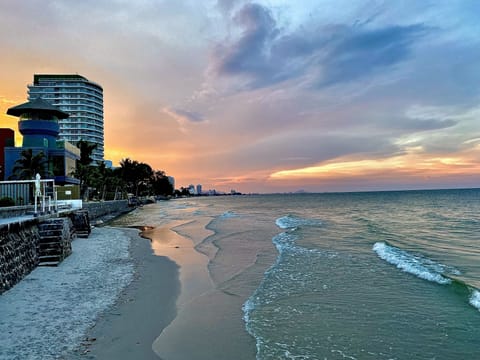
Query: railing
(43, 191)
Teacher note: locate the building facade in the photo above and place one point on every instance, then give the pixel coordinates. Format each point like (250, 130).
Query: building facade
(38, 124)
(81, 99)
(7, 139)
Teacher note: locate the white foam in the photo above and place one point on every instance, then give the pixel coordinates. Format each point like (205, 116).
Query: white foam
(475, 299)
(422, 268)
(228, 214)
(290, 221)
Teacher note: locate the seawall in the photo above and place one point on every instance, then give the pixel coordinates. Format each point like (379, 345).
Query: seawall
(18, 251)
(106, 210)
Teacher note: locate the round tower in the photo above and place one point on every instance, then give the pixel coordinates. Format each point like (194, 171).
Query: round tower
(38, 123)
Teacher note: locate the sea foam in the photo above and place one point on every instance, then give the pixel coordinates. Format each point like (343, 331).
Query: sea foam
(475, 299)
(421, 267)
(291, 221)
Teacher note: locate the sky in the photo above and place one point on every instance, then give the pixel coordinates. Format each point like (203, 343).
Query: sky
(267, 95)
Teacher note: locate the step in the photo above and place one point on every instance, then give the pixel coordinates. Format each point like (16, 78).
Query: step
(51, 238)
(49, 263)
(50, 252)
(50, 228)
(50, 233)
(47, 245)
(49, 258)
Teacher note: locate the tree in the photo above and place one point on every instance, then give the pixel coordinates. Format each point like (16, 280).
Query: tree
(136, 176)
(86, 151)
(29, 165)
(161, 185)
(83, 166)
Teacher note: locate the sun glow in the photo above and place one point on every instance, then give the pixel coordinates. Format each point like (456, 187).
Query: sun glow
(410, 164)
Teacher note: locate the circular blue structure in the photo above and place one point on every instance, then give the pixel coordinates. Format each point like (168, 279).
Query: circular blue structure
(39, 133)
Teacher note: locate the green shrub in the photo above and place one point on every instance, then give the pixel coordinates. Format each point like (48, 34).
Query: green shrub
(6, 201)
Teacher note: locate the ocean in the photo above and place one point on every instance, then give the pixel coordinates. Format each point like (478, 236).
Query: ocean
(370, 275)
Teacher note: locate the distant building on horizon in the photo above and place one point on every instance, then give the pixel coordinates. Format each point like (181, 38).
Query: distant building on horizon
(79, 97)
(171, 180)
(199, 189)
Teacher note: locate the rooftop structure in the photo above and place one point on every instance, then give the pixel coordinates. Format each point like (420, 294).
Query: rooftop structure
(82, 99)
(38, 123)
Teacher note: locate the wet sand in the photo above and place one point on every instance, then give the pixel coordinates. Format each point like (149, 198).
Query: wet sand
(173, 310)
(144, 309)
(209, 322)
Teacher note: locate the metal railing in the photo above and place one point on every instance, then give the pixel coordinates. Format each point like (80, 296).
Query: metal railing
(43, 191)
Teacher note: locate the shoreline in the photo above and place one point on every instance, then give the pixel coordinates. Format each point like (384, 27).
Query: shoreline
(209, 323)
(196, 316)
(128, 328)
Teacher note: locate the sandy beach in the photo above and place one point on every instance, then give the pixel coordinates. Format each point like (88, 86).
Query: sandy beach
(174, 293)
(47, 315)
(204, 319)
(128, 329)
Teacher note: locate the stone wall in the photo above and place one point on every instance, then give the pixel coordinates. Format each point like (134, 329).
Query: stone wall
(13, 211)
(106, 209)
(18, 252)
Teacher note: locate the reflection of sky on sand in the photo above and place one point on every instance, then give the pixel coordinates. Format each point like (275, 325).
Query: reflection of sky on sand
(222, 256)
(194, 275)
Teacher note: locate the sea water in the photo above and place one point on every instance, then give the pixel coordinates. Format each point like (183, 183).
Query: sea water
(380, 275)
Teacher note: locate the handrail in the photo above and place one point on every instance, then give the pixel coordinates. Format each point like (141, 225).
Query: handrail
(41, 200)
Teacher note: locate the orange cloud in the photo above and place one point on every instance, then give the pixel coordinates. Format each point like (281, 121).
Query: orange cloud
(412, 164)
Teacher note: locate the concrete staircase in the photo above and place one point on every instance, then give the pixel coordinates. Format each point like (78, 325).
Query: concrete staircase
(55, 242)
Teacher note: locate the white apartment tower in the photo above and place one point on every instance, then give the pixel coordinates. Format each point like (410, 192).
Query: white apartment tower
(81, 99)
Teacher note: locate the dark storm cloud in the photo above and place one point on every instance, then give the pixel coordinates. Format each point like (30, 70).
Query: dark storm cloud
(266, 54)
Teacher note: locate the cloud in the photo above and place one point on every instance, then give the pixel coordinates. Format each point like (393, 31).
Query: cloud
(184, 117)
(266, 54)
(226, 6)
(248, 55)
(358, 53)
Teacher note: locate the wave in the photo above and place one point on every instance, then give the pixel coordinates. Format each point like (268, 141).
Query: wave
(428, 269)
(475, 299)
(291, 221)
(421, 267)
(228, 214)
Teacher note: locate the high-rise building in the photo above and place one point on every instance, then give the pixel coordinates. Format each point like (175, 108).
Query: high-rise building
(81, 99)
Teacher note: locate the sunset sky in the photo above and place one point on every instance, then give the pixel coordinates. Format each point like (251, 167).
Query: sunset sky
(267, 96)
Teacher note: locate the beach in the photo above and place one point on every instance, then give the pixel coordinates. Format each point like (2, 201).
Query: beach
(144, 308)
(108, 300)
(209, 320)
(304, 276)
(125, 296)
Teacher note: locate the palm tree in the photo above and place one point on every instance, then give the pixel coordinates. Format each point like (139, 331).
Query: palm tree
(86, 150)
(135, 175)
(83, 165)
(28, 165)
